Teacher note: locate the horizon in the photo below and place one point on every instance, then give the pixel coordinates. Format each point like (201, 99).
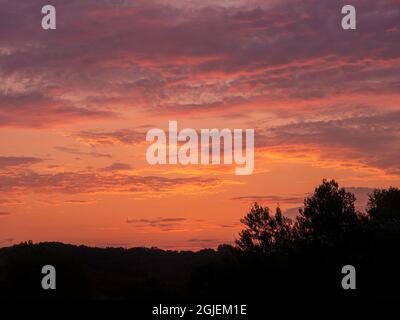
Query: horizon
(77, 102)
(360, 207)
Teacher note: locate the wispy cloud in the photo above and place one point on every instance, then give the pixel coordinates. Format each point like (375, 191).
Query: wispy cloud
(163, 224)
(75, 151)
(125, 136)
(90, 182)
(272, 198)
(155, 221)
(7, 162)
(178, 224)
(116, 167)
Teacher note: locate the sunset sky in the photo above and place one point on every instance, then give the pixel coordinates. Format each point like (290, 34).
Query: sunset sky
(76, 103)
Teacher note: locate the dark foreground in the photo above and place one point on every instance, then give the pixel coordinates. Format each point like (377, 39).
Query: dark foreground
(275, 262)
(152, 275)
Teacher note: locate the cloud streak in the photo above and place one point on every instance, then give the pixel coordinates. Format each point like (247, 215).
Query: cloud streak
(272, 199)
(116, 167)
(12, 162)
(90, 182)
(78, 152)
(123, 136)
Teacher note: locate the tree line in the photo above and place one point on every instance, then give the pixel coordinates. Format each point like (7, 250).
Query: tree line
(274, 259)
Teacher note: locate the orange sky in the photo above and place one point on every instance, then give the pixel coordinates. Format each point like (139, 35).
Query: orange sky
(76, 103)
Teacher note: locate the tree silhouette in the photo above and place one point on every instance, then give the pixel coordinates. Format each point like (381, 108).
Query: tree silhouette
(384, 204)
(264, 232)
(328, 214)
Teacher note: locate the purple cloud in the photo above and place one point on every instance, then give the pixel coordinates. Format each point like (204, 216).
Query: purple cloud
(163, 56)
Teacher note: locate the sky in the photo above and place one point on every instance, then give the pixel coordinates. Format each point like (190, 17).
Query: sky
(76, 103)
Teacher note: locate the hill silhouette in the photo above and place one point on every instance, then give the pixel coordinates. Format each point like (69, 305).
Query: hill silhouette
(274, 259)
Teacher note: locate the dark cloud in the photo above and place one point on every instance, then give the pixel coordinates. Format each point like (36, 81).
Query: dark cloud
(162, 224)
(34, 109)
(90, 182)
(125, 136)
(79, 202)
(156, 221)
(75, 151)
(232, 225)
(275, 199)
(2, 213)
(174, 224)
(116, 167)
(7, 162)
